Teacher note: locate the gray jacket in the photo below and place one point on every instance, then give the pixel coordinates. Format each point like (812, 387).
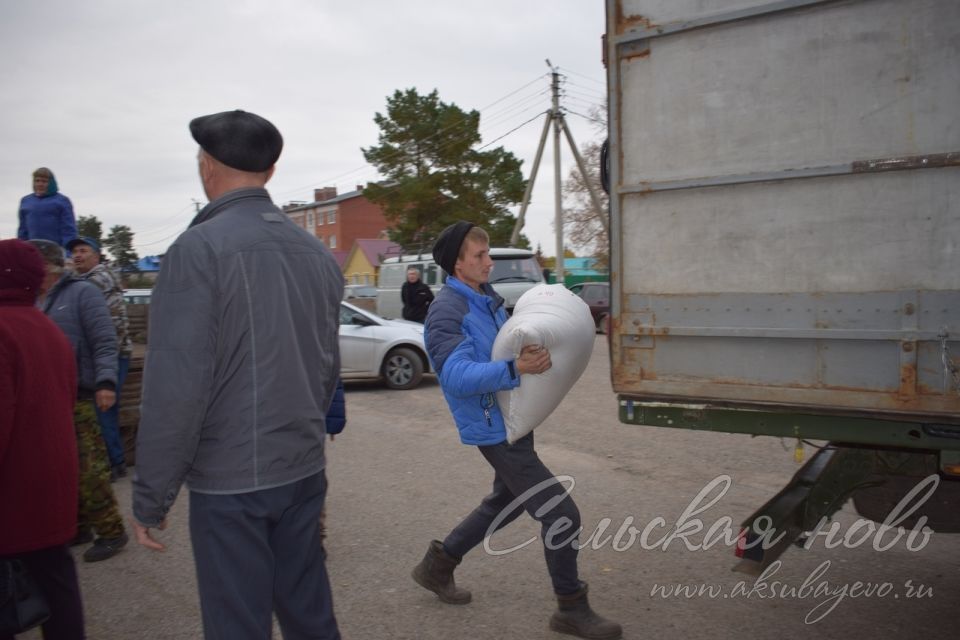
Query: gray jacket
(242, 359)
(81, 312)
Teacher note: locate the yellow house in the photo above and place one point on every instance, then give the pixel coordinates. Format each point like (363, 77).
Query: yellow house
(363, 261)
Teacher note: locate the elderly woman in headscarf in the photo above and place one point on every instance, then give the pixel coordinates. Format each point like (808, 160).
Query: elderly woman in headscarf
(46, 214)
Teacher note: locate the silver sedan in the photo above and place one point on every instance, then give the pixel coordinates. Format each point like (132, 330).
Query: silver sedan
(374, 347)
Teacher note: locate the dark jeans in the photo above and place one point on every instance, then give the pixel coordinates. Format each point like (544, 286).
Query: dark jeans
(110, 419)
(56, 575)
(260, 552)
(518, 469)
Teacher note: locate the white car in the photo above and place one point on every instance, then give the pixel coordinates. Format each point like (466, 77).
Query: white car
(137, 296)
(374, 347)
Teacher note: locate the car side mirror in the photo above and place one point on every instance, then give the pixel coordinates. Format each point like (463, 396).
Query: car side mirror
(362, 321)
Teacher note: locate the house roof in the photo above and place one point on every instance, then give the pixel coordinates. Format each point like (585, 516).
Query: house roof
(145, 264)
(374, 249)
(340, 257)
(340, 198)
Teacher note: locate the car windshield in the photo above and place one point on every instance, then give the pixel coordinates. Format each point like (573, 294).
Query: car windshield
(352, 316)
(515, 270)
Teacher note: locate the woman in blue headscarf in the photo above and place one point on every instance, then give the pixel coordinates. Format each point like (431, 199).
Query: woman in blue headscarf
(46, 214)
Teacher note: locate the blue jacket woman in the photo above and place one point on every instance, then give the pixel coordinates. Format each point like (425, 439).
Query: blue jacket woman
(46, 214)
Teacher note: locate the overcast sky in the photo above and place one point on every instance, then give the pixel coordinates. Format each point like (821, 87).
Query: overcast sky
(101, 91)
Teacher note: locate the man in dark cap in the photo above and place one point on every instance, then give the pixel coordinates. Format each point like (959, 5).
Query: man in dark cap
(461, 326)
(241, 367)
(80, 311)
(87, 264)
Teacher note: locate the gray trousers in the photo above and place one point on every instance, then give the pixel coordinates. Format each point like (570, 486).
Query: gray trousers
(260, 552)
(518, 469)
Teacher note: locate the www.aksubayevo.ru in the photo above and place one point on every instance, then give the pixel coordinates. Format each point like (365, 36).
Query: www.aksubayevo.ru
(814, 587)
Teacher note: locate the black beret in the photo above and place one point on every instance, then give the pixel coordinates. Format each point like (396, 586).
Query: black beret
(446, 249)
(238, 139)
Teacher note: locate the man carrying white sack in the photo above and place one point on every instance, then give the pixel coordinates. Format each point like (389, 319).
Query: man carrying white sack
(461, 326)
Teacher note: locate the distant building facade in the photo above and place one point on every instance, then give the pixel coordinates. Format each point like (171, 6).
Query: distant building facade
(339, 220)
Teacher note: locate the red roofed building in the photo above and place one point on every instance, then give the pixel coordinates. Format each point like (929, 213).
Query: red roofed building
(339, 220)
(340, 257)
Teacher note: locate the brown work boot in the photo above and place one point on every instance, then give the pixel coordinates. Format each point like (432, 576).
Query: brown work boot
(435, 573)
(575, 617)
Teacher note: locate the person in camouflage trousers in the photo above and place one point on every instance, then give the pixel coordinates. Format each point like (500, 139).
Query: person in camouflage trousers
(98, 506)
(81, 312)
(87, 263)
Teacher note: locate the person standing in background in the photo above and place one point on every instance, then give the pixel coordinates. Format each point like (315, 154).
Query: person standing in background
(416, 297)
(38, 449)
(336, 421)
(87, 263)
(46, 214)
(80, 311)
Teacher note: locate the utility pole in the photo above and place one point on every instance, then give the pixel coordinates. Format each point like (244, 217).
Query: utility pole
(555, 116)
(557, 192)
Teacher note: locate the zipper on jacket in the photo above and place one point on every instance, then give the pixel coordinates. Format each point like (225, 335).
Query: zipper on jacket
(486, 402)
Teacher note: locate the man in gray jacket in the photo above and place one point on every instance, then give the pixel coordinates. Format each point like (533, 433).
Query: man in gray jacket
(242, 362)
(81, 312)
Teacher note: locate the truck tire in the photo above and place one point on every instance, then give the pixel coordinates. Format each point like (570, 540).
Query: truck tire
(877, 501)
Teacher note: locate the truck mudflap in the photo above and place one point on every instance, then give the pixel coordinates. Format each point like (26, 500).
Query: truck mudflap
(900, 488)
(766, 534)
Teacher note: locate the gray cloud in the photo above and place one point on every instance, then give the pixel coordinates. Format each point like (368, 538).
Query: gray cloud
(101, 91)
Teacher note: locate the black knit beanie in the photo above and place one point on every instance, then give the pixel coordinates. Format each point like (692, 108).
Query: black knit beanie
(446, 249)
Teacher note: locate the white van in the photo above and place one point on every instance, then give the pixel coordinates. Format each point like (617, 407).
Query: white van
(515, 271)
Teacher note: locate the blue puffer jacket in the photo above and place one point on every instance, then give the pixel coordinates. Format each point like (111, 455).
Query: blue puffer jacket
(81, 312)
(47, 217)
(460, 329)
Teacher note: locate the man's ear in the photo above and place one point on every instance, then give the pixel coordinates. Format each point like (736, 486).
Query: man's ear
(204, 166)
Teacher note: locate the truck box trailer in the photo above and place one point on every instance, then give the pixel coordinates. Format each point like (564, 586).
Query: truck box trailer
(784, 184)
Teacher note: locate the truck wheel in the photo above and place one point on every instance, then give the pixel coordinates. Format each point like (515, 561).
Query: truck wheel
(402, 369)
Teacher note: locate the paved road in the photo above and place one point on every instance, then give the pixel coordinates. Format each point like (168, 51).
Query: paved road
(399, 477)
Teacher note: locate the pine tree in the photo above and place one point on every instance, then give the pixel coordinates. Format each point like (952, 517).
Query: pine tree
(90, 227)
(436, 176)
(120, 245)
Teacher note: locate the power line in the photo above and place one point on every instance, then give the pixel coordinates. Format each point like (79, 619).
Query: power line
(454, 124)
(566, 70)
(596, 120)
(594, 97)
(485, 126)
(149, 244)
(163, 225)
(512, 130)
